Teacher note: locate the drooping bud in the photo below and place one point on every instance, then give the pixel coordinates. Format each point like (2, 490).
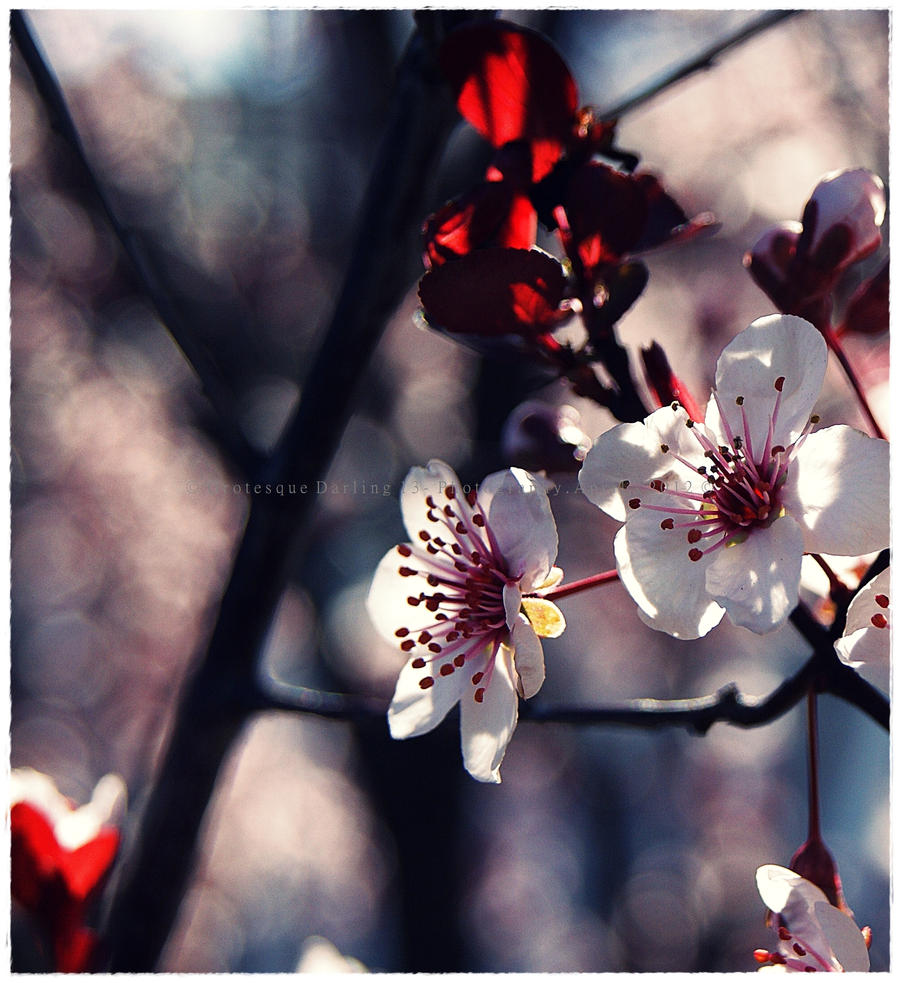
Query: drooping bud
(539, 437)
(814, 862)
(867, 309)
(665, 385)
(770, 261)
(842, 219)
(798, 265)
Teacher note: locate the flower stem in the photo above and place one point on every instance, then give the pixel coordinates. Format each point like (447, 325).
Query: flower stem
(576, 586)
(839, 592)
(813, 743)
(835, 345)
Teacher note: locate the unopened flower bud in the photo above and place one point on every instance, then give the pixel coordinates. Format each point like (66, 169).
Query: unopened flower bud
(666, 386)
(842, 219)
(539, 437)
(770, 260)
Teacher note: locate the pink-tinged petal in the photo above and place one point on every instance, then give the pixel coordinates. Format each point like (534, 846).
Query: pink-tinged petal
(528, 657)
(512, 604)
(838, 490)
(632, 453)
(486, 727)
(844, 937)
(784, 890)
(520, 520)
(773, 347)
(769, 263)
(415, 711)
(387, 604)
(758, 581)
(417, 486)
(866, 642)
(667, 586)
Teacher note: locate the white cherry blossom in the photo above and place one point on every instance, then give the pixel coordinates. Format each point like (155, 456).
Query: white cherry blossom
(813, 935)
(866, 642)
(717, 515)
(452, 599)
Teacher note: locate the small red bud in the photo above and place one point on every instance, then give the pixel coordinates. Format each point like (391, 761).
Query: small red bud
(665, 385)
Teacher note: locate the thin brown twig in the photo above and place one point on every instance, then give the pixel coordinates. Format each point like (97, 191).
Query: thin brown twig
(705, 60)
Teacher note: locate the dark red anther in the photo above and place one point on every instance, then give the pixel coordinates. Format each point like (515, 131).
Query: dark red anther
(882, 600)
(879, 621)
(404, 550)
(779, 383)
(418, 663)
(447, 670)
(408, 645)
(427, 682)
(479, 695)
(695, 554)
(634, 503)
(694, 536)
(667, 524)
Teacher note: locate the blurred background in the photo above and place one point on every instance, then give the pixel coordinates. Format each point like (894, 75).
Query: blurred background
(236, 144)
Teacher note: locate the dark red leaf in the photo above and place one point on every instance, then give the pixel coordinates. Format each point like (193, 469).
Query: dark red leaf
(607, 212)
(613, 215)
(495, 292)
(492, 214)
(512, 84)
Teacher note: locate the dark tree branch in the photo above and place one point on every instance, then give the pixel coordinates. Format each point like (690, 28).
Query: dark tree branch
(705, 60)
(198, 356)
(214, 706)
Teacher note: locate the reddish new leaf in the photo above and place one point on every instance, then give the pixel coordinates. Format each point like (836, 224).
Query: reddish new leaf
(512, 84)
(492, 214)
(495, 292)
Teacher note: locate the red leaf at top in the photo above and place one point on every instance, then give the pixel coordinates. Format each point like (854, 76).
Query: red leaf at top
(495, 292)
(512, 84)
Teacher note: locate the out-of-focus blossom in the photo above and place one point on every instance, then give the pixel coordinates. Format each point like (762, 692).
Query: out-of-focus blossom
(321, 956)
(60, 856)
(717, 516)
(798, 264)
(540, 437)
(452, 598)
(866, 642)
(813, 935)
